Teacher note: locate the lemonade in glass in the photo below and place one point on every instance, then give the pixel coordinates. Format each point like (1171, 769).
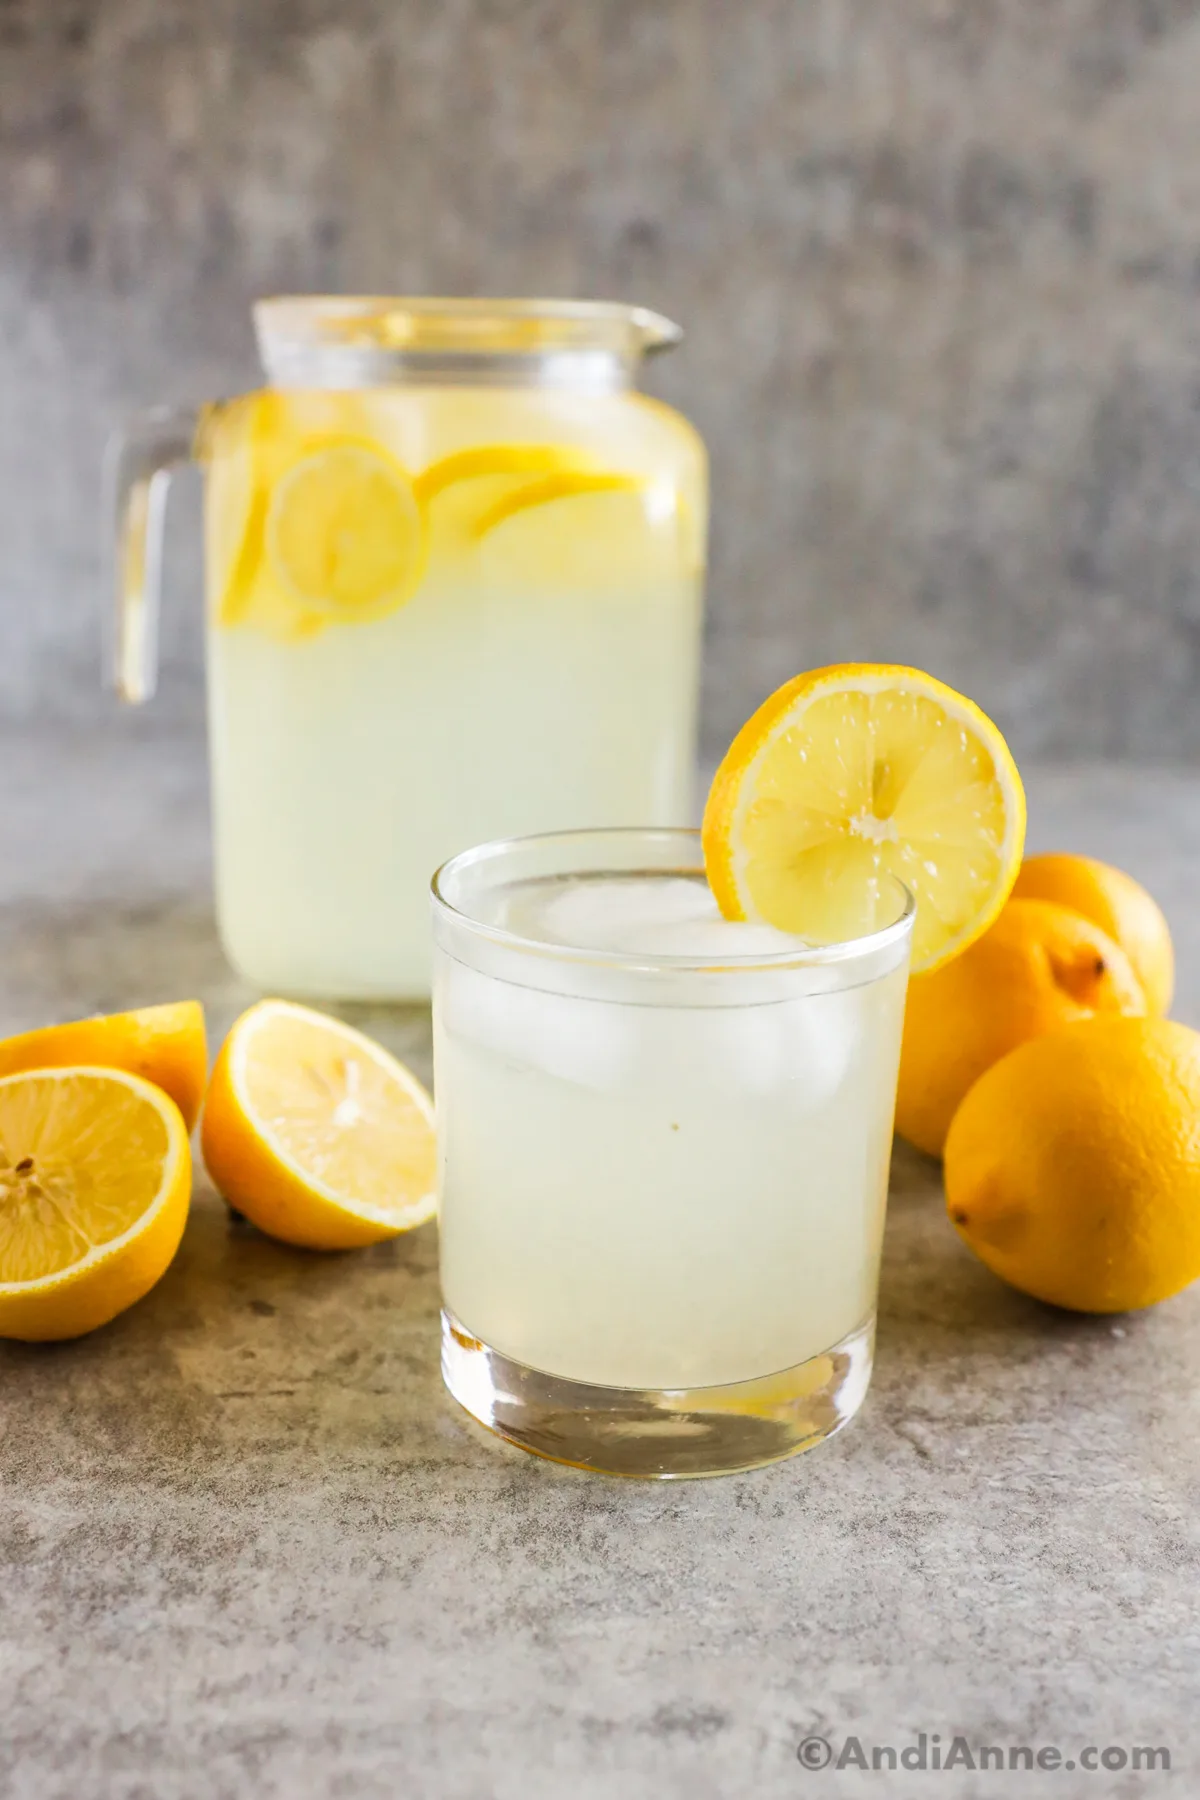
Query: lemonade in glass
(666, 1067)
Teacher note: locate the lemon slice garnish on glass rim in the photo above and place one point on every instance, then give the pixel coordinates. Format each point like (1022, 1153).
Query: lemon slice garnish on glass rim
(345, 531)
(848, 775)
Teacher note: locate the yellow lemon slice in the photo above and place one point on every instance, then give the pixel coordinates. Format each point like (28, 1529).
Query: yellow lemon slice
(95, 1177)
(854, 773)
(163, 1044)
(234, 443)
(315, 1133)
(564, 484)
(345, 532)
(462, 490)
(594, 532)
(483, 460)
(222, 447)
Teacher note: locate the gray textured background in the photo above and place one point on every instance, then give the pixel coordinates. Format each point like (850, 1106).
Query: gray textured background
(938, 260)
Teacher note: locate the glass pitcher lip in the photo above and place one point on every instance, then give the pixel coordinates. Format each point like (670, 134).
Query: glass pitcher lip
(446, 325)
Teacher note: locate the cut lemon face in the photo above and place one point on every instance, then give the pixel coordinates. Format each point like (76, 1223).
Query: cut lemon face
(163, 1044)
(315, 1133)
(95, 1177)
(849, 775)
(345, 532)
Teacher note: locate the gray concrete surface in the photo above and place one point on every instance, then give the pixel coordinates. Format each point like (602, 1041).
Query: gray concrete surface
(249, 1548)
(937, 259)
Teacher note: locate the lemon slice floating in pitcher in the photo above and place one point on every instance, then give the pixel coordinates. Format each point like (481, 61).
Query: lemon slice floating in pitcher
(315, 1133)
(345, 532)
(471, 491)
(566, 484)
(853, 773)
(481, 462)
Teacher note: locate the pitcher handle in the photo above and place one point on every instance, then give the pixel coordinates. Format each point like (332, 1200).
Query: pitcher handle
(140, 463)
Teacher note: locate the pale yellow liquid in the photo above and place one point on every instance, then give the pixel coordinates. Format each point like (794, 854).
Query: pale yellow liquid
(662, 1196)
(540, 677)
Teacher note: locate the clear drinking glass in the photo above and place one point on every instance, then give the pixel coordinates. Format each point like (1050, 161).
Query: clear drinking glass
(454, 567)
(663, 1177)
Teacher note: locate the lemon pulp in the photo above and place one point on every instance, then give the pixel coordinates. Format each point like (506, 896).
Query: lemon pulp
(850, 776)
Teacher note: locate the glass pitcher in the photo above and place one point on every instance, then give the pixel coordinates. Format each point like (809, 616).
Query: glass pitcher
(454, 571)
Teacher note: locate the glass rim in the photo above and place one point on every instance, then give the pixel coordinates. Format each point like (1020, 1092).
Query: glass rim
(436, 324)
(805, 956)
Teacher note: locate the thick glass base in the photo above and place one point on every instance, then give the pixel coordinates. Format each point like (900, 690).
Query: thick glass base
(665, 1434)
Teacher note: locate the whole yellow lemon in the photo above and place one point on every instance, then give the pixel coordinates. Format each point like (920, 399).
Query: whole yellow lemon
(1116, 903)
(1039, 967)
(1073, 1166)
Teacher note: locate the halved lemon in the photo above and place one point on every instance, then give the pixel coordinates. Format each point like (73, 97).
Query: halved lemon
(315, 1133)
(163, 1044)
(850, 774)
(345, 532)
(95, 1178)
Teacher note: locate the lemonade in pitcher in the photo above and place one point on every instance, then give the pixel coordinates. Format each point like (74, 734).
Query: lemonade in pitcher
(454, 572)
